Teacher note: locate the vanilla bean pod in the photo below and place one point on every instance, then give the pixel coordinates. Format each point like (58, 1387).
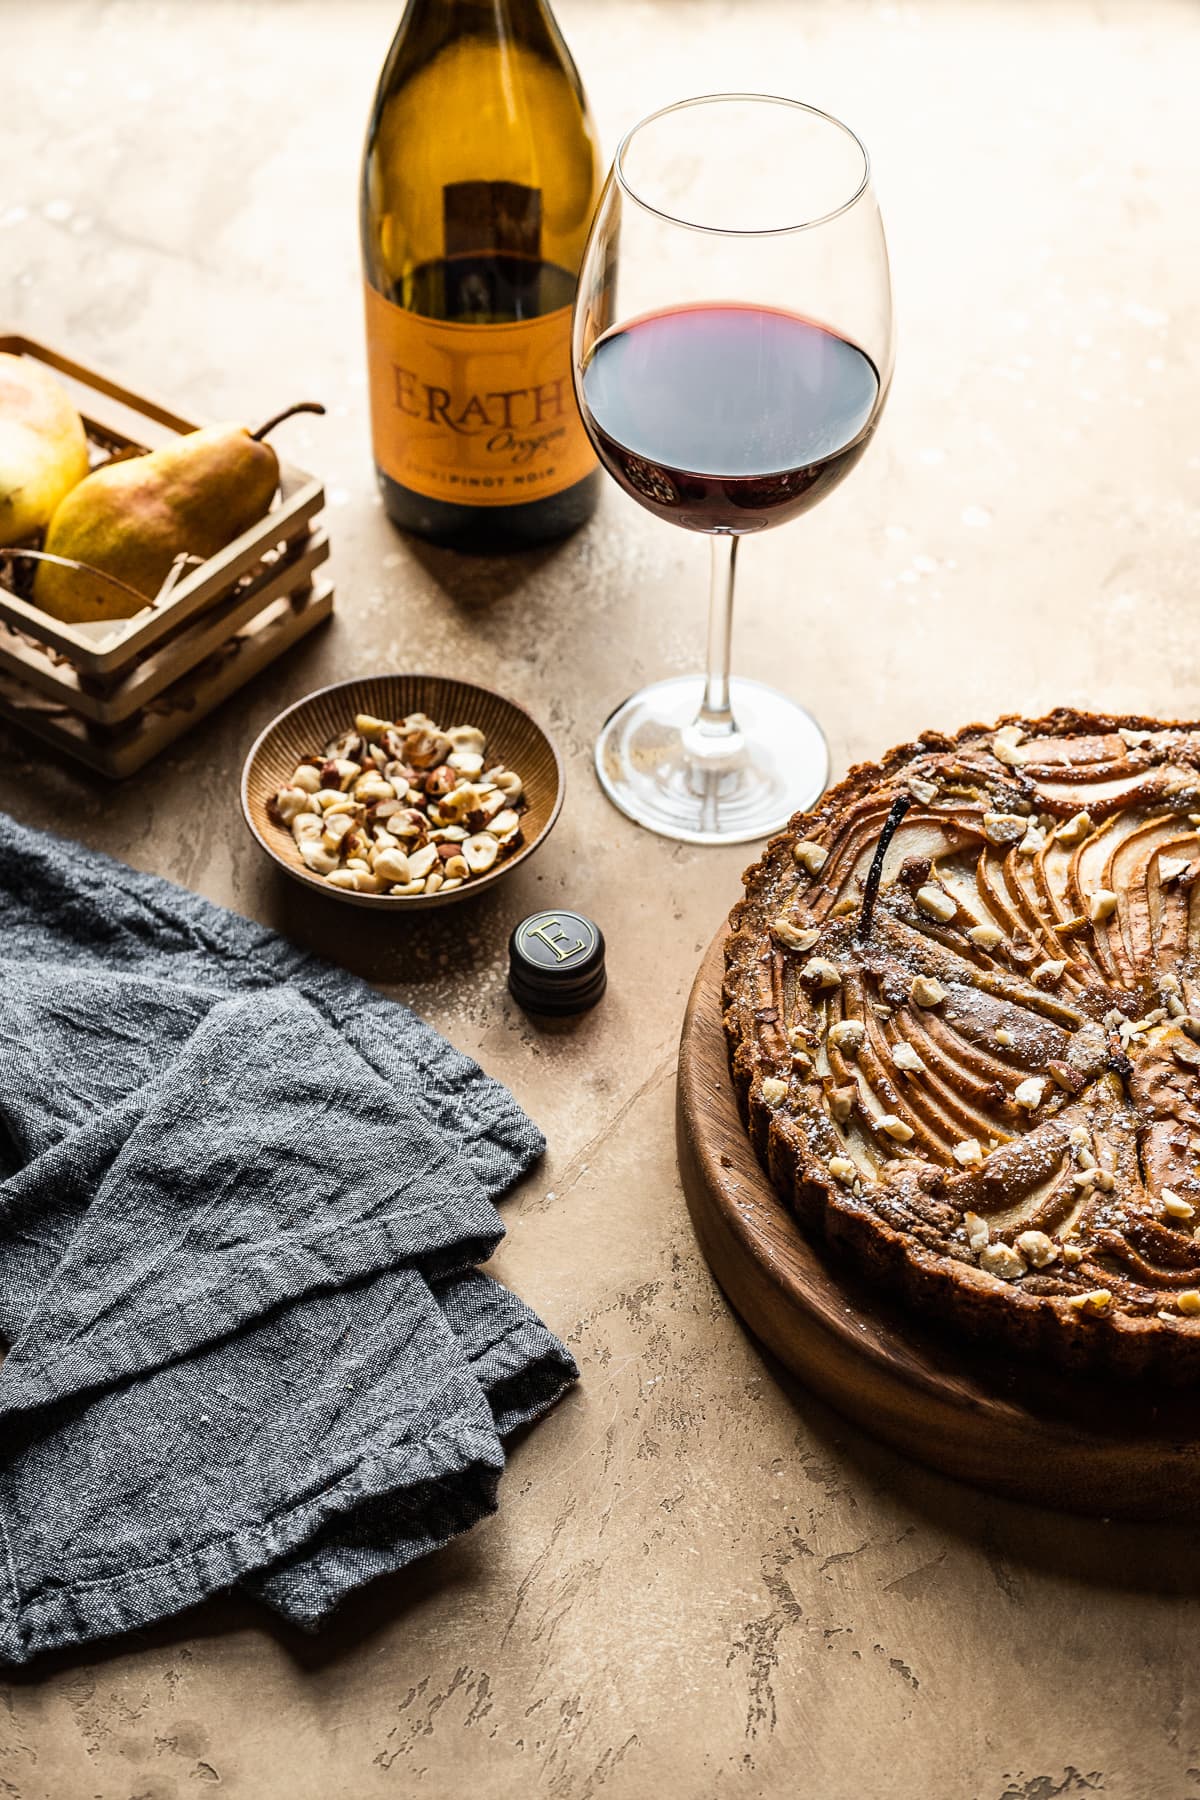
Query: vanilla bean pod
(890, 824)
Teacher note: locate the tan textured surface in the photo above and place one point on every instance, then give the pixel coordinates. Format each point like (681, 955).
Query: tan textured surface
(700, 1583)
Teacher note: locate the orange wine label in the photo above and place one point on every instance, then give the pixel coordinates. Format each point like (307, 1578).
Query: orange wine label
(483, 415)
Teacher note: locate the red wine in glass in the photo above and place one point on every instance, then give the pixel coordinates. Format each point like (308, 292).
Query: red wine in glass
(729, 417)
(732, 354)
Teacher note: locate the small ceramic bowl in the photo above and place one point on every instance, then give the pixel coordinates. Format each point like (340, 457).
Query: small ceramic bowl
(513, 738)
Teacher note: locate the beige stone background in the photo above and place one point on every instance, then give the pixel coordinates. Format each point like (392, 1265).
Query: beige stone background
(701, 1583)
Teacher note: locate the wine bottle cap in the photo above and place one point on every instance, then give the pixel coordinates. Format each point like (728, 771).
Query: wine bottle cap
(556, 962)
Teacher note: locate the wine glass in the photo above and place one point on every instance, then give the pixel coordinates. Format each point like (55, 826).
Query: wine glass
(732, 353)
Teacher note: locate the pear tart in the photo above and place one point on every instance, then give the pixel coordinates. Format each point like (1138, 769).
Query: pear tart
(982, 1080)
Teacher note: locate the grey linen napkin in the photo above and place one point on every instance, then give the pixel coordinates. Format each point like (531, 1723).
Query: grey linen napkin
(241, 1200)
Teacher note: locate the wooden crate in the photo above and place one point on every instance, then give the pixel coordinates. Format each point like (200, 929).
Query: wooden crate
(115, 693)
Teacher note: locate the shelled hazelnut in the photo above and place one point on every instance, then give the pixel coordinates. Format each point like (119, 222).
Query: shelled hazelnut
(401, 807)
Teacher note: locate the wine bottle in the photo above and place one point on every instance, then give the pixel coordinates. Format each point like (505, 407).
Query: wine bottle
(480, 176)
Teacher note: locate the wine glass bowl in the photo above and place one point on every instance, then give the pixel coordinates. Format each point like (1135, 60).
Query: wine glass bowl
(732, 353)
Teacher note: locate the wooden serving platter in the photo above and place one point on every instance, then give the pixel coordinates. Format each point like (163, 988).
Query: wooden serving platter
(1010, 1427)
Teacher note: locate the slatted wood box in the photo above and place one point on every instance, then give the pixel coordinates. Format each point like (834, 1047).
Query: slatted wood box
(114, 694)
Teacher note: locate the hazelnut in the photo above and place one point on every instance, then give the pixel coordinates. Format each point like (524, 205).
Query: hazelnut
(1037, 1249)
(1097, 1301)
(977, 1231)
(1002, 1260)
(810, 856)
(1004, 744)
(792, 936)
(841, 1102)
(937, 904)
(819, 972)
(985, 937)
(1075, 829)
(1004, 828)
(439, 782)
(927, 992)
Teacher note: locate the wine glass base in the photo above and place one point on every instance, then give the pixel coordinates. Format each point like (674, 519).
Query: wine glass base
(664, 773)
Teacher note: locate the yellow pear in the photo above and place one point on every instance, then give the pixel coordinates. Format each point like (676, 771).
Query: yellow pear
(130, 520)
(43, 449)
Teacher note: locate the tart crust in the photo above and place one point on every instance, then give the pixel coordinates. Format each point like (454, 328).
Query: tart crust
(1002, 1130)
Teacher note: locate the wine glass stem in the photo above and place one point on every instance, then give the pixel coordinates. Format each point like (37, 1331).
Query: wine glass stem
(715, 719)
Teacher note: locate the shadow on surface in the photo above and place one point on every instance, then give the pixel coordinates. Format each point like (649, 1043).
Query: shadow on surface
(477, 584)
(416, 949)
(1013, 1535)
(376, 1608)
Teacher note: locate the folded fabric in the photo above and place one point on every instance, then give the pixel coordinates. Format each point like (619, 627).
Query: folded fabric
(243, 1196)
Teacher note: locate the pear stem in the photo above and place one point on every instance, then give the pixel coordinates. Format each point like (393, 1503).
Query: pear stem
(312, 406)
